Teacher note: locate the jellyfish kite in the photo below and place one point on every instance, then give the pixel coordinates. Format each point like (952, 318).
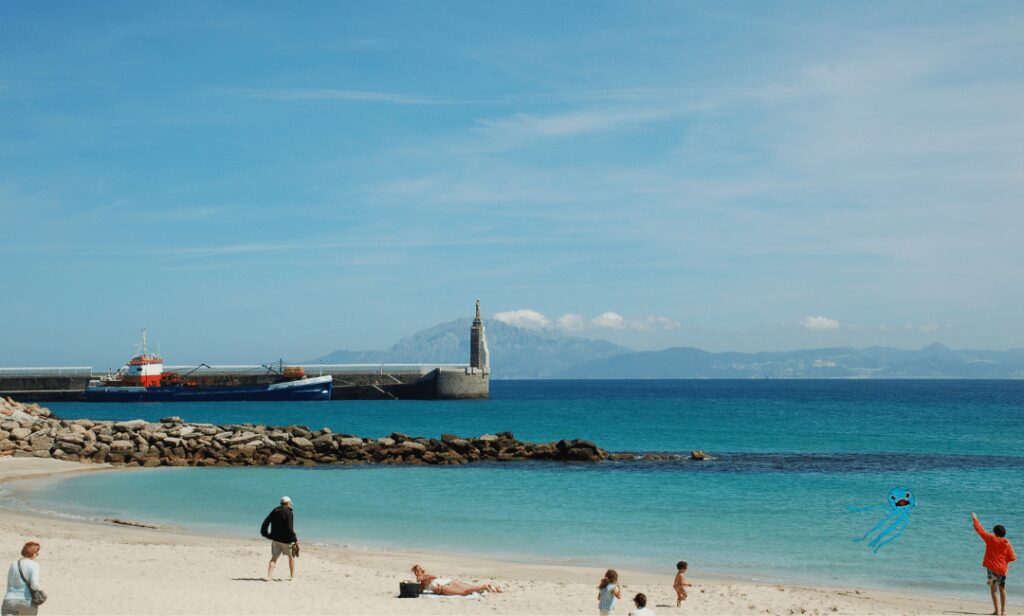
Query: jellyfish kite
(897, 515)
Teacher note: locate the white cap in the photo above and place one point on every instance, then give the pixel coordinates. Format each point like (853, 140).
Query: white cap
(285, 499)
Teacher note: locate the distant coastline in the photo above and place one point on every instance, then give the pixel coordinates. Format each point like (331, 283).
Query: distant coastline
(520, 353)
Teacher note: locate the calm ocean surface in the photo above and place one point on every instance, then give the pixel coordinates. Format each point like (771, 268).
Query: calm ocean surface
(793, 455)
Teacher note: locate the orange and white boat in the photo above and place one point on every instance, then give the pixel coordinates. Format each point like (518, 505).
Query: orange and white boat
(143, 379)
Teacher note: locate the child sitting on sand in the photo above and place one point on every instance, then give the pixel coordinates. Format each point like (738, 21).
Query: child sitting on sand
(640, 601)
(680, 583)
(998, 556)
(608, 591)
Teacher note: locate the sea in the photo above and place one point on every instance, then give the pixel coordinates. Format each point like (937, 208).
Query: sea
(791, 458)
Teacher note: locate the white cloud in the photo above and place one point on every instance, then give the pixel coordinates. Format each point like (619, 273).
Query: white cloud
(329, 94)
(656, 324)
(571, 123)
(927, 328)
(525, 318)
(611, 320)
(571, 322)
(820, 323)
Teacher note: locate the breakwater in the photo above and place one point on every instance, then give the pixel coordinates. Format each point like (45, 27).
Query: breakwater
(32, 430)
(365, 382)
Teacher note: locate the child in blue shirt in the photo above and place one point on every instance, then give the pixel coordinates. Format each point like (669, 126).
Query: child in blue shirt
(608, 591)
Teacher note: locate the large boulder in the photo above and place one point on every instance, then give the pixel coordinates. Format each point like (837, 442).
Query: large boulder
(41, 443)
(121, 446)
(134, 424)
(302, 443)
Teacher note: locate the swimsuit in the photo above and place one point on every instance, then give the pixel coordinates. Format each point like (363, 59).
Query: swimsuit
(995, 578)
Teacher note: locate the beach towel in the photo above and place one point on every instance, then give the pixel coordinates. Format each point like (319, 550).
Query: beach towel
(430, 594)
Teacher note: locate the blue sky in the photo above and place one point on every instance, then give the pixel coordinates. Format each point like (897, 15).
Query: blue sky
(255, 180)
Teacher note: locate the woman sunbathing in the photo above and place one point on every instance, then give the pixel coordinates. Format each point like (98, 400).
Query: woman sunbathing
(447, 586)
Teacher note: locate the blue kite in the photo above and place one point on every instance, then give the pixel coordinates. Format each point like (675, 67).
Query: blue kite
(897, 507)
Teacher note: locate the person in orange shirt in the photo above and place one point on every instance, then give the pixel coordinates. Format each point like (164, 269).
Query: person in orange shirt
(998, 556)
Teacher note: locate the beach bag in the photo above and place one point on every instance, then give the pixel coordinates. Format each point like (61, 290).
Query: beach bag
(38, 596)
(408, 590)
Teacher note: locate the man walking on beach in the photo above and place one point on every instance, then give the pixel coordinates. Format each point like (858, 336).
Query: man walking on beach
(279, 528)
(998, 556)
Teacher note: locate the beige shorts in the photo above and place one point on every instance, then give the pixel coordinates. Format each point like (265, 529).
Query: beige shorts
(277, 548)
(14, 607)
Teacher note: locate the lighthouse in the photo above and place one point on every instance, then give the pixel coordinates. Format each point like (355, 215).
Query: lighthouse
(479, 358)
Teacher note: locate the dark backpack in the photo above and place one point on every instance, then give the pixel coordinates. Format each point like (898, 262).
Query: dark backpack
(408, 590)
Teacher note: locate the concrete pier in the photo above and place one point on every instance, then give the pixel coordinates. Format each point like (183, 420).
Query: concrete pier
(351, 382)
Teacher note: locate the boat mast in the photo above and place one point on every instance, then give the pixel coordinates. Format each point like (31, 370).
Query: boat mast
(144, 344)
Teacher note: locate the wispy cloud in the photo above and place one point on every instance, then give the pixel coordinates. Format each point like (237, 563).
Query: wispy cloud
(329, 94)
(927, 328)
(609, 320)
(656, 324)
(819, 323)
(572, 322)
(646, 97)
(525, 318)
(572, 123)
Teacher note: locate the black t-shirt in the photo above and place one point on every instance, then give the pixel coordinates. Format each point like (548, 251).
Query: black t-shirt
(279, 522)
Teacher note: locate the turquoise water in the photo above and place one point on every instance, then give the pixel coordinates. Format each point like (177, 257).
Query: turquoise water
(793, 455)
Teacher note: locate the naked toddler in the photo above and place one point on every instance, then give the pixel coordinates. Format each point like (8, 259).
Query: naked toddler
(680, 583)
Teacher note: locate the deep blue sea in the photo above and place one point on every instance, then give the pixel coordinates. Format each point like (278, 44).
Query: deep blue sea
(792, 457)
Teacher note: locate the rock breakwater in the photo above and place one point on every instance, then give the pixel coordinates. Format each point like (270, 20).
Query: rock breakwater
(31, 430)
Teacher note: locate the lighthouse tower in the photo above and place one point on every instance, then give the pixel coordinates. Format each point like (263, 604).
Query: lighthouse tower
(479, 357)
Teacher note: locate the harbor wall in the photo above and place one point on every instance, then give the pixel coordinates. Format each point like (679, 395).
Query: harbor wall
(350, 382)
(468, 383)
(428, 384)
(44, 388)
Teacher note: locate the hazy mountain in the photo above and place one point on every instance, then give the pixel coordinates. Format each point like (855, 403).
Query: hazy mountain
(933, 361)
(516, 353)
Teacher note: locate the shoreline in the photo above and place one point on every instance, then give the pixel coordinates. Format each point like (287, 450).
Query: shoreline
(638, 569)
(221, 575)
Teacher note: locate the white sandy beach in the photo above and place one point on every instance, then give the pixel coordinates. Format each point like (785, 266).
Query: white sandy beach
(100, 568)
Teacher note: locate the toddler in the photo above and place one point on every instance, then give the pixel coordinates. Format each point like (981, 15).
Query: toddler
(680, 583)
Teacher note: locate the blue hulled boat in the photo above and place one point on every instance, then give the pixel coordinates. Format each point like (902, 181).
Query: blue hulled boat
(311, 388)
(143, 379)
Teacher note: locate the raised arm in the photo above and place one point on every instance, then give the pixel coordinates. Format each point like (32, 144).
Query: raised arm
(978, 528)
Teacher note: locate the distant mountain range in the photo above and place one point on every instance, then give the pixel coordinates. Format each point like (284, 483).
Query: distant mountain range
(933, 361)
(518, 353)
